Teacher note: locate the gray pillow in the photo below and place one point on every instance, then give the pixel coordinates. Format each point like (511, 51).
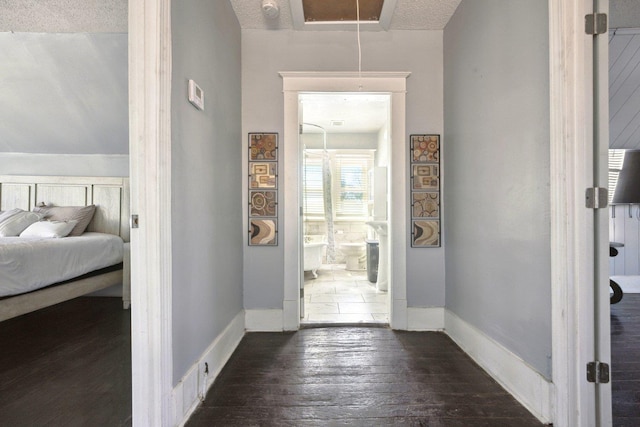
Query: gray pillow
(82, 214)
(8, 214)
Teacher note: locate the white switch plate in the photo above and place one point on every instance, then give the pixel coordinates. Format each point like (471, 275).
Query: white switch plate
(196, 95)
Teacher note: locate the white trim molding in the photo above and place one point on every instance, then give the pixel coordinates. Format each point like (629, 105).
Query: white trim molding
(393, 83)
(425, 318)
(264, 320)
(525, 384)
(150, 166)
(571, 81)
(193, 387)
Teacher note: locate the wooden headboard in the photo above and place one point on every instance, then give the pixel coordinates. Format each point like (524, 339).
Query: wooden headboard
(109, 194)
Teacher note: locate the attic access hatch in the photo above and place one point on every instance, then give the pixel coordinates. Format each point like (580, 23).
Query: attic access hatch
(340, 15)
(339, 10)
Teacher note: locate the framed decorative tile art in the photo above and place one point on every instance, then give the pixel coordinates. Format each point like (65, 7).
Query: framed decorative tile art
(263, 189)
(425, 177)
(263, 232)
(426, 233)
(424, 157)
(263, 174)
(425, 148)
(425, 205)
(263, 146)
(263, 203)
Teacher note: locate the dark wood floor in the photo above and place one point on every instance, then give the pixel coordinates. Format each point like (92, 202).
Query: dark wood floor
(67, 365)
(355, 376)
(625, 361)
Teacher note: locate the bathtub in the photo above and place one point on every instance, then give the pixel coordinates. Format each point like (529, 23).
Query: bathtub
(313, 253)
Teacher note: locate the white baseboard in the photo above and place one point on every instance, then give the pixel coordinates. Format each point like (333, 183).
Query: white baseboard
(525, 384)
(399, 315)
(264, 320)
(193, 386)
(425, 318)
(291, 315)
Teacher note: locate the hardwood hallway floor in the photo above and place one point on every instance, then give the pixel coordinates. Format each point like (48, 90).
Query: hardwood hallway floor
(67, 365)
(356, 376)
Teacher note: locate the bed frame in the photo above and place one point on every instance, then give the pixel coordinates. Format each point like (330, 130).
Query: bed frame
(111, 197)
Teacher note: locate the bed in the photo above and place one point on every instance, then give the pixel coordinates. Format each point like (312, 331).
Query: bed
(37, 272)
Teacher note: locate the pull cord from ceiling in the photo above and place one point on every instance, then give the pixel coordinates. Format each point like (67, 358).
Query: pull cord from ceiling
(359, 45)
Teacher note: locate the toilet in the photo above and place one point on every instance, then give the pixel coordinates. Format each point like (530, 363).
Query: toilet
(352, 252)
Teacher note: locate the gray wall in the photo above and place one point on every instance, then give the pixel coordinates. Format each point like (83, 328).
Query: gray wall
(63, 79)
(265, 53)
(496, 145)
(207, 233)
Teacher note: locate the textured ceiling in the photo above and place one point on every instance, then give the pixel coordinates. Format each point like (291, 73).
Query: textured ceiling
(408, 14)
(64, 16)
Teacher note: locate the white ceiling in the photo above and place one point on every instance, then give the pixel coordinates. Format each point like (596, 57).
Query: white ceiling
(407, 15)
(359, 113)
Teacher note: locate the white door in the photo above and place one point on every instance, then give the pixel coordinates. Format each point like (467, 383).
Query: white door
(301, 207)
(602, 329)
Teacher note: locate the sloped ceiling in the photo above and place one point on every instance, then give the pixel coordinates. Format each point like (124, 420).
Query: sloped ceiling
(64, 93)
(63, 77)
(624, 74)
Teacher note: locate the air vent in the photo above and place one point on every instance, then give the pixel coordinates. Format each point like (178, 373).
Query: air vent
(337, 122)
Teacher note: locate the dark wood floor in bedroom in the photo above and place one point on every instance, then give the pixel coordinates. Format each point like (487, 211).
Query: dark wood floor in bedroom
(356, 376)
(625, 361)
(67, 365)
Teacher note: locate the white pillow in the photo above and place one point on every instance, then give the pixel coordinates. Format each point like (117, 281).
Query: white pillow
(49, 229)
(16, 224)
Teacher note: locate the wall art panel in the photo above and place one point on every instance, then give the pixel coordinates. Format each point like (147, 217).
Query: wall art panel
(262, 191)
(424, 156)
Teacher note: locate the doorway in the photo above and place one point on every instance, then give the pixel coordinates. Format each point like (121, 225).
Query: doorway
(344, 163)
(394, 86)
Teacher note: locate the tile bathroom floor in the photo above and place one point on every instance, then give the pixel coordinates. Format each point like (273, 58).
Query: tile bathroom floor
(341, 296)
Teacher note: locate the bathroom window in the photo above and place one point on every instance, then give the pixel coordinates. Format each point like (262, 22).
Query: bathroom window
(350, 184)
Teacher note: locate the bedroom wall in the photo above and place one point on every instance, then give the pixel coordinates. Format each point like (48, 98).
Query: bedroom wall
(207, 232)
(63, 77)
(265, 53)
(497, 199)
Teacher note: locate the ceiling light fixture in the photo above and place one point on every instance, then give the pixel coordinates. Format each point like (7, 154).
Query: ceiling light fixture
(270, 9)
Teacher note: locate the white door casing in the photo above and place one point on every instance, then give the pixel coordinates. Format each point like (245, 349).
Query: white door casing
(573, 242)
(393, 83)
(150, 177)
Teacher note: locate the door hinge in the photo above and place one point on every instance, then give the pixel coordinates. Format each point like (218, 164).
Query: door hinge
(301, 293)
(598, 372)
(596, 197)
(595, 23)
(134, 222)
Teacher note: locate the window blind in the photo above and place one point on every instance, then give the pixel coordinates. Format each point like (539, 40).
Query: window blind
(350, 184)
(616, 159)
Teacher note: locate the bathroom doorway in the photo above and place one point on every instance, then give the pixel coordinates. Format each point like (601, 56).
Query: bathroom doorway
(345, 140)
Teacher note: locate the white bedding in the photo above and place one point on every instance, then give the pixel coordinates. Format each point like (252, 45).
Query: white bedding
(30, 263)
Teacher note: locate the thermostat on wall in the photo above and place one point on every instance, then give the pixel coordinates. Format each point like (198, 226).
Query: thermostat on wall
(196, 95)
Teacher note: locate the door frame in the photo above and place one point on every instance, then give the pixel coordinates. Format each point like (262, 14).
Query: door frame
(150, 179)
(393, 83)
(150, 154)
(573, 240)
